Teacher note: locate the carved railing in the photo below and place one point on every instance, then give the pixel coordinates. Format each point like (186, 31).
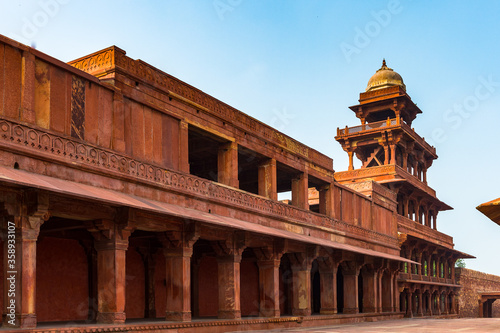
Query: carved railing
(386, 124)
(424, 278)
(405, 225)
(75, 152)
(368, 127)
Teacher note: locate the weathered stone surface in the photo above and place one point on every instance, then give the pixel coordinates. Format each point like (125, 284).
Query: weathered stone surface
(473, 284)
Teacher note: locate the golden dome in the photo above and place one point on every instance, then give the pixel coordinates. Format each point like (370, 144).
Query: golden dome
(385, 77)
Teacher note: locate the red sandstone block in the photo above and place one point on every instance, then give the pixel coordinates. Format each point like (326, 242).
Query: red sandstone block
(42, 94)
(128, 137)
(158, 138)
(12, 82)
(137, 113)
(91, 112)
(105, 127)
(118, 124)
(28, 87)
(148, 134)
(58, 99)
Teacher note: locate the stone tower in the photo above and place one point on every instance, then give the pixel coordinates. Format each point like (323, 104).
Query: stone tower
(391, 152)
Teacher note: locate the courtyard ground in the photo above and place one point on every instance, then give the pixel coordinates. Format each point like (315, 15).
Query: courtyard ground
(407, 325)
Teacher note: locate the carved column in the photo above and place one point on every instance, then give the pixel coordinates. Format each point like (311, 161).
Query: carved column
(178, 249)
(22, 220)
(111, 243)
(350, 153)
(228, 264)
(269, 265)
(178, 273)
(370, 286)
(327, 200)
(268, 179)
(350, 270)
(301, 275)
(393, 154)
(420, 311)
(395, 299)
(328, 282)
(409, 310)
(438, 303)
(228, 164)
(300, 191)
(183, 146)
(386, 154)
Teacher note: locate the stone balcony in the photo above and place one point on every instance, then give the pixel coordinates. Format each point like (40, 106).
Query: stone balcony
(426, 279)
(385, 125)
(410, 227)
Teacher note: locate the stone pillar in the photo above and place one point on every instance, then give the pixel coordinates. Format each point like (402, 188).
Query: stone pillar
(21, 224)
(183, 146)
(409, 310)
(111, 243)
(327, 200)
(369, 290)
(301, 294)
(228, 164)
(268, 179)
(438, 310)
(386, 154)
(387, 293)
(393, 154)
(351, 160)
(434, 226)
(420, 311)
(300, 191)
(396, 294)
(425, 174)
(269, 305)
(178, 283)
(229, 286)
(351, 272)
(328, 282)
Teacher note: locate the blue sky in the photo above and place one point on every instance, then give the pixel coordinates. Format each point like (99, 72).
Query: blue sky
(298, 65)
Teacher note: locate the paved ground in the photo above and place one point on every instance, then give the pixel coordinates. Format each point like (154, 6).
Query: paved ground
(407, 325)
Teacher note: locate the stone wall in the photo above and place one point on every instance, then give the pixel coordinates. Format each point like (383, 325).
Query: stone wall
(473, 283)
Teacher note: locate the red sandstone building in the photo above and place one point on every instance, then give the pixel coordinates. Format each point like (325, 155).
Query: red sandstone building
(137, 200)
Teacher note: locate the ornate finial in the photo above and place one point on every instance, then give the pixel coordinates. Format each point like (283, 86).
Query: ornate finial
(383, 63)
